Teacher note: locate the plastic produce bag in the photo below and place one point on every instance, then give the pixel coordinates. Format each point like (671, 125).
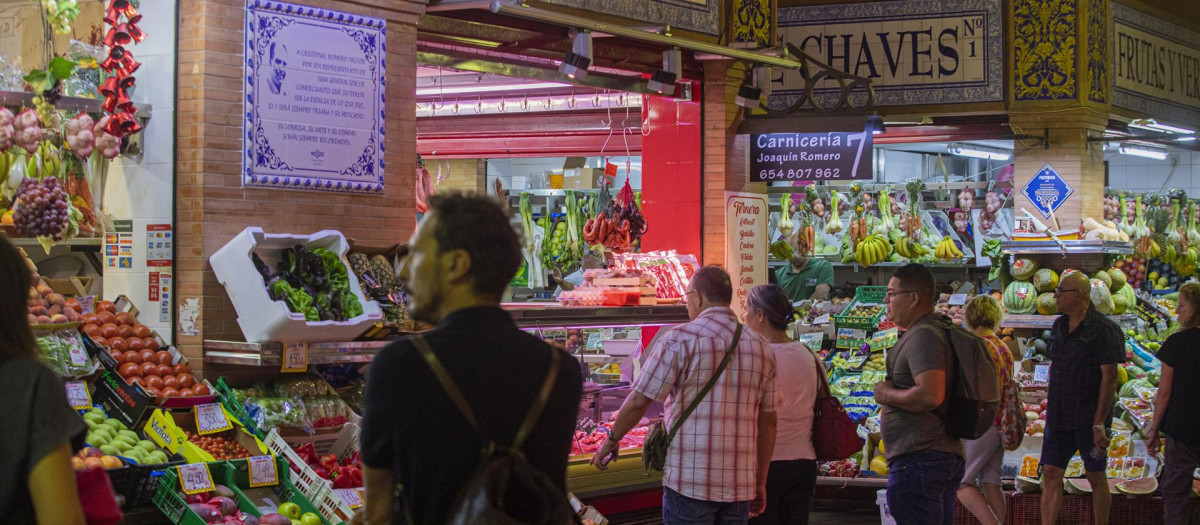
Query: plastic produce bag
(327, 411)
(63, 352)
(302, 385)
(274, 412)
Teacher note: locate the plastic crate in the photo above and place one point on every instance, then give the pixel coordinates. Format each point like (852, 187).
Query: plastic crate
(237, 477)
(263, 319)
(863, 295)
(1026, 509)
(1140, 510)
(229, 401)
(168, 496)
(139, 483)
(331, 506)
(306, 479)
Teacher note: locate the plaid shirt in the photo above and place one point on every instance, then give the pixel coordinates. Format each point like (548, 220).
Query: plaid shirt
(713, 456)
(1075, 360)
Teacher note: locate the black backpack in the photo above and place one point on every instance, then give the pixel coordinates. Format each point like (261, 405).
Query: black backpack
(505, 475)
(974, 392)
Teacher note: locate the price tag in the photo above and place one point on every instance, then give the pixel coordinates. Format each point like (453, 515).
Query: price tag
(823, 319)
(958, 299)
(77, 354)
(195, 478)
(295, 357)
(1041, 373)
(263, 471)
(210, 419)
(78, 395)
(813, 340)
(351, 497)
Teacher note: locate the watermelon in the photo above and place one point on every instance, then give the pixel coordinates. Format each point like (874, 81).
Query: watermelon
(1020, 298)
(1046, 305)
(1127, 389)
(1029, 485)
(1023, 269)
(1103, 276)
(1138, 487)
(1045, 280)
(1118, 279)
(1101, 298)
(1152, 375)
(1077, 486)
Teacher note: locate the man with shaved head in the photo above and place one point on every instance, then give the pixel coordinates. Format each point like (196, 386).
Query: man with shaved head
(1085, 349)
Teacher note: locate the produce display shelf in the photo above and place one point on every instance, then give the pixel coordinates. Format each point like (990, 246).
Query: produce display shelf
(69, 104)
(830, 481)
(836, 264)
(78, 241)
(873, 187)
(1071, 247)
(550, 316)
(271, 354)
(1044, 322)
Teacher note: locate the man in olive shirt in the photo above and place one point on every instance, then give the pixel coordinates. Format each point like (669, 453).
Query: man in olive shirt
(925, 462)
(806, 278)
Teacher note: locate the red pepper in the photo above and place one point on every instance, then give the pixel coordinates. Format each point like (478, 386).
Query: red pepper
(330, 462)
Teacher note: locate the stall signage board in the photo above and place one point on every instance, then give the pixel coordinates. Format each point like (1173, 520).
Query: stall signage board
(1154, 64)
(314, 106)
(914, 53)
(1047, 190)
(745, 243)
(811, 156)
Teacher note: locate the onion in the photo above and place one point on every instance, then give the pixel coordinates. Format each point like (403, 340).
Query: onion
(274, 519)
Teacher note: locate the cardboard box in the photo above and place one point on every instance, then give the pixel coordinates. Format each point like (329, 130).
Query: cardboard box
(71, 287)
(584, 178)
(169, 430)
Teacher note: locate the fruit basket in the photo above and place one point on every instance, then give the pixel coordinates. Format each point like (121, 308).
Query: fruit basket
(865, 310)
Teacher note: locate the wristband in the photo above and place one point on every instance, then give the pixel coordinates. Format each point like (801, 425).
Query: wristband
(1097, 427)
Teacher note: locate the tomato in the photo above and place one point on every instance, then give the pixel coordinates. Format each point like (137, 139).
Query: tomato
(92, 330)
(162, 357)
(153, 381)
(151, 343)
(148, 369)
(106, 317)
(106, 306)
(171, 382)
(186, 392)
(100, 341)
(117, 343)
(135, 344)
(132, 357)
(153, 391)
(128, 370)
(147, 356)
(170, 392)
(135, 380)
(201, 389)
(142, 330)
(126, 319)
(91, 319)
(164, 370)
(180, 369)
(186, 380)
(109, 330)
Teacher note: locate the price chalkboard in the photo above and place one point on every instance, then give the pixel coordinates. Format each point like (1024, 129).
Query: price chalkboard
(210, 419)
(295, 357)
(195, 478)
(263, 471)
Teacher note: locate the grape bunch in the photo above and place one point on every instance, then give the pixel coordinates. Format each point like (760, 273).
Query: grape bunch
(42, 209)
(46, 112)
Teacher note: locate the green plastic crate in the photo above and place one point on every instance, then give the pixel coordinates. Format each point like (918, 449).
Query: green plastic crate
(863, 295)
(229, 401)
(238, 479)
(169, 496)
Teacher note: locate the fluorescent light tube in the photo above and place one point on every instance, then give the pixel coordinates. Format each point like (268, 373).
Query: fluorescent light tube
(453, 90)
(1138, 150)
(964, 150)
(1151, 125)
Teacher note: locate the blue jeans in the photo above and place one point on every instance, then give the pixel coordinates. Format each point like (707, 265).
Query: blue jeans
(922, 487)
(682, 510)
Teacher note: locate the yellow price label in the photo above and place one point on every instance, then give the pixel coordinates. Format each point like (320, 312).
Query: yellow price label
(351, 497)
(78, 395)
(211, 418)
(295, 357)
(195, 478)
(263, 471)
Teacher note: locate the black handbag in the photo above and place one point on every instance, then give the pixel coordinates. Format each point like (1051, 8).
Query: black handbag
(658, 440)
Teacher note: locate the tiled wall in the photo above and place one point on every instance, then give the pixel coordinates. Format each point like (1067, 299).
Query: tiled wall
(1142, 174)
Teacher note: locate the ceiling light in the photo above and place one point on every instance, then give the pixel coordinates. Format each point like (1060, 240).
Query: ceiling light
(876, 125)
(751, 91)
(1150, 125)
(967, 150)
(1186, 139)
(1142, 150)
(663, 80)
(579, 58)
(488, 88)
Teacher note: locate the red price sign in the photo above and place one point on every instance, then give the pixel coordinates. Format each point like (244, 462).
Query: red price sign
(210, 419)
(263, 471)
(295, 357)
(78, 395)
(351, 497)
(195, 478)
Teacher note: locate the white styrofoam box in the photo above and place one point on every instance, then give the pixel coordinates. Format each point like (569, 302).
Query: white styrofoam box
(885, 514)
(263, 320)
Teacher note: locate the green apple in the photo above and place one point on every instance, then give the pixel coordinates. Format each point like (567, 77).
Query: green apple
(290, 510)
(309, 518)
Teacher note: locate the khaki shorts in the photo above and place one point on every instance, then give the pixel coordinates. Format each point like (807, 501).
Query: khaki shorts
(984, 458)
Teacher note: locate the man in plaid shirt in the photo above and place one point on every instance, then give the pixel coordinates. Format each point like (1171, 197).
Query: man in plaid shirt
(716, 469)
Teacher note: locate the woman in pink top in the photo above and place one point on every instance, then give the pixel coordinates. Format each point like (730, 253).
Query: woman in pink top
(793, 473)
(980, 491)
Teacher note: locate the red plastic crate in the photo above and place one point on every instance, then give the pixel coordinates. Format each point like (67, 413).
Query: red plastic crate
(1026, 509)
(1141, 510)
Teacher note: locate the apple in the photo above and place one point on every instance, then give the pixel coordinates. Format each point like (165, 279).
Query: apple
(290, 510)
(309, 518)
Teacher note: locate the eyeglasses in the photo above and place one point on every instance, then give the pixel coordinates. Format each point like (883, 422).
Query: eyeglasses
(686, 294)
(1061, 291)
(893, 293)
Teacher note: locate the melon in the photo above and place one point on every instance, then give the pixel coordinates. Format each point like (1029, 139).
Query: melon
(1118, 279)
(1020, 298)
(1127, 293)
(1029, 485)
(1120, 304)
(1138, 487)
(1046, 305)
(1127, 389)
(1122, 375)
(1045, 280)
(1077, 486)
(1101, 298)
(1023, 269)
(1103, 276)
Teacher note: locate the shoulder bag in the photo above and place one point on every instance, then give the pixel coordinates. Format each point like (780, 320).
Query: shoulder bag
(658, 440)
(834, 435)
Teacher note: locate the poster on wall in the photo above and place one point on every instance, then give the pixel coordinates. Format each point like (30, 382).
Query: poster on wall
(314, 106)
(811, 156)
(914, 51)
(746, 243)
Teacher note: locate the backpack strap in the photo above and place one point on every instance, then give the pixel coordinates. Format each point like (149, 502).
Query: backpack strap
(737, 334)
(460, 401)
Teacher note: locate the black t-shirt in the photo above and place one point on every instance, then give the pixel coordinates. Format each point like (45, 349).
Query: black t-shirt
(1075, 361)
(1181, 352)
(37, 420)
(412, 427)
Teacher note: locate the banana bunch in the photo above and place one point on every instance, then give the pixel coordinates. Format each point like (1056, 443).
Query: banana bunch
(1184, 261)
(873, 249)
(1170, 255)
(51, 161)
(782, 251)
(909, 249)
(875, 362)
(947, 250)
